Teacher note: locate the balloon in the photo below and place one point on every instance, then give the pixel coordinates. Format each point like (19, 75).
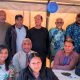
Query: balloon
(52, 7)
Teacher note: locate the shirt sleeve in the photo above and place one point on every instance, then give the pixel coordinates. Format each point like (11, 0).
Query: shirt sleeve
(69, 31)
(56, 60)
(15, 63)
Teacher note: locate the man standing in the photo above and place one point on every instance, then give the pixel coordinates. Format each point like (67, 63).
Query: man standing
(73, 32)
(56, 37)
(3, 26)
(39, 38)
(15, 35)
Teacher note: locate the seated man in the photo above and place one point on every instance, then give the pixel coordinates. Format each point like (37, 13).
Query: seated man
(66, 59)
(20, 59)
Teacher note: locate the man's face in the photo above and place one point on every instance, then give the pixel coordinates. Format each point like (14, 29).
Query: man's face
(38, 20)
(2, 16)
(19, 22)
(35, 64)
(59, 23)
(68, 47)
(26, 46)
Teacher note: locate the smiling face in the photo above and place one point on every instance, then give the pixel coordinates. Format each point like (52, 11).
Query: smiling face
(26, 45)
(35, 64)
(3, 55)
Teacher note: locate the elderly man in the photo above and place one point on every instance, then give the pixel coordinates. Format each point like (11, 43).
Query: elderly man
(66, 59)
(56, 37)
(20, 59)
(3, 26)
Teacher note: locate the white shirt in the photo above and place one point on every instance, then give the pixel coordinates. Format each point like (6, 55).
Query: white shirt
(21, 34)
(3, 73)
(3, 67)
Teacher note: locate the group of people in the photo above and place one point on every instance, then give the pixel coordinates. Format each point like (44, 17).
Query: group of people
(23, 51)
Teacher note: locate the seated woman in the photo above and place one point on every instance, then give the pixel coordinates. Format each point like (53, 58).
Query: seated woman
(35, 71)
(67, 58)
(6, 70)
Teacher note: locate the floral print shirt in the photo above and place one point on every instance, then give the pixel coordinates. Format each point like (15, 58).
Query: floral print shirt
(73, 31)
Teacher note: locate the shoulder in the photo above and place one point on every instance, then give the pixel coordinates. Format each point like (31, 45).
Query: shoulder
(71, 25)
(60, 52)
(7, 24)
(48, 73)
(11, 27)
(43, 28)
(31, 51)
(52, 29)
(75, 54)
(32, 29)
(25, 26)
(18, 54)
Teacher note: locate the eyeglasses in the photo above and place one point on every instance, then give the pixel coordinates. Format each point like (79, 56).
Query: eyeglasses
(59, 22)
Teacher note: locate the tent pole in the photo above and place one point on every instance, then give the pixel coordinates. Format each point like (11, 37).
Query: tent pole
(47, 16)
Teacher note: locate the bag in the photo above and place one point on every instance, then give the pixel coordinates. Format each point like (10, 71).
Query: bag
(77, 70)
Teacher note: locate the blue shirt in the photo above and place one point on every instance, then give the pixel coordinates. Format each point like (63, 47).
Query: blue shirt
(73, 31)
(56, 38)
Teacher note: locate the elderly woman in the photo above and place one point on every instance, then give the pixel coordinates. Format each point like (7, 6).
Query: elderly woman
(35, 71)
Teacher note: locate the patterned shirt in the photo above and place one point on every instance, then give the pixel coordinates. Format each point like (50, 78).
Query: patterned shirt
(56, 38)
(73, 31)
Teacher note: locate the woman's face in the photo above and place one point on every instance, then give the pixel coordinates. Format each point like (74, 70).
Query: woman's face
(3, 55)
(35, 64)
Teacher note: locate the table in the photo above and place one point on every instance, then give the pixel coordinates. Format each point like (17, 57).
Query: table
(60, 76)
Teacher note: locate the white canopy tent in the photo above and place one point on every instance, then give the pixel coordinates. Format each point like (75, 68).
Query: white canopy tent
(29, 8)
(40, 5)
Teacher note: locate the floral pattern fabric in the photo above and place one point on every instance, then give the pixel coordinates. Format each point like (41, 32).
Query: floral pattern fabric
(73, 31)
(56, 38)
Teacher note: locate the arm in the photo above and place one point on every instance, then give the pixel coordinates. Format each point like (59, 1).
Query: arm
(50, 35)
(56, 60)
(8, 38)
(47, 43)
(71, 65)
(21, 76)
(69, 32)
(15, 62)
(51, 75)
